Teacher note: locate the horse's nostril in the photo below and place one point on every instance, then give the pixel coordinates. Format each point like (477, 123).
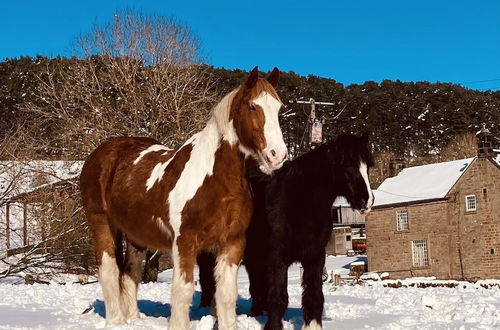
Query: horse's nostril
(273, 153)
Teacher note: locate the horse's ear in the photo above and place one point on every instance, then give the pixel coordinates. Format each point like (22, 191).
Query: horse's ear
(252, 78)
(274, 77)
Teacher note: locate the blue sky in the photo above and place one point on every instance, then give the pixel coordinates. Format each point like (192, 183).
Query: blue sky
(349, 41)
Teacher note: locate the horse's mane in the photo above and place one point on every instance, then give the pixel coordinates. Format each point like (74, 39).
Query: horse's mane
(304, 163)
(220, 112)
(317, 160)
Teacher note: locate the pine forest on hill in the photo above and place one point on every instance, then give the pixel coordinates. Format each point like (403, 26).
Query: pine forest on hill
(416, 121)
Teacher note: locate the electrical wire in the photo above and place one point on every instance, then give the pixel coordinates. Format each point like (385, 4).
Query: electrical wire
(399, 195)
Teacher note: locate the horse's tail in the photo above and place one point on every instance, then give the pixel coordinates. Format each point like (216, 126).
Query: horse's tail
(97, 176)
(95, 184)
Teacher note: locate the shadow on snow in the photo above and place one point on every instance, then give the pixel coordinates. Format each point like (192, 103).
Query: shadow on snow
(243, 307)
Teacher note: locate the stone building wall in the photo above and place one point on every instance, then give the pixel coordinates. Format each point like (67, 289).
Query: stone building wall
(390, 250)
(460, 244)
(477, 246)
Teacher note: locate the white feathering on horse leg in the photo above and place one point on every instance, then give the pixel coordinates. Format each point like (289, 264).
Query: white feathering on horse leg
(129, 298)
(109, 277)
(313, 325)
(226, 293)
(182, 294)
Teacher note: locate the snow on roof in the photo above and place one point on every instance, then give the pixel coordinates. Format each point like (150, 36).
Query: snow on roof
(340, 201)
(496, 159)
(18, 177)
(419, 183)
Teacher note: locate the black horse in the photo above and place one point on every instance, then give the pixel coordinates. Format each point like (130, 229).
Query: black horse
(292, 222)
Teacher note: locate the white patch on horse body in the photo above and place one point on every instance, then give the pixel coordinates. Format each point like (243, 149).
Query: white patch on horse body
(226, 293)
(313, 325)
(159, 169)
(109, 277)
(199, 166)
(162, 225)
(153, 148)
(363, 169)
(272, 131)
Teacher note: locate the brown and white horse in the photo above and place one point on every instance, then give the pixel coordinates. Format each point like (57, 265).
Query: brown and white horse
(190, 200)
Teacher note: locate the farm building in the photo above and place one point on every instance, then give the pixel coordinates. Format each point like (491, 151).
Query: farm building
(27, 193)
(439, 220)
(348, 229)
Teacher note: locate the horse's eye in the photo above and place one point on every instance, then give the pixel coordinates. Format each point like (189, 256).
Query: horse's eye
(252, 107)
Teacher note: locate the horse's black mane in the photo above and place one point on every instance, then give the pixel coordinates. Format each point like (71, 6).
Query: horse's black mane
(319, 161)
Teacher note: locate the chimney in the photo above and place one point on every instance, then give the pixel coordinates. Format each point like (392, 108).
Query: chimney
(484, 143)
(395, 166)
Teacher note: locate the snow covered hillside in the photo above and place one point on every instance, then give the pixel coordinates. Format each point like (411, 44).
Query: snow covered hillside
(368, 306)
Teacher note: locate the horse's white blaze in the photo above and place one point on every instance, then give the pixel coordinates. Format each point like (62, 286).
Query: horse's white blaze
(226, 293)
(363, 169)
(109, 275)
(272, 130)
(313, 325)
(153, 148)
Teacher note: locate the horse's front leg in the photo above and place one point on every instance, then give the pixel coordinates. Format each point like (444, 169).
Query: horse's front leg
(226, 292)
(182, 289)
(312, 297)
(277, 294)
(258, 283)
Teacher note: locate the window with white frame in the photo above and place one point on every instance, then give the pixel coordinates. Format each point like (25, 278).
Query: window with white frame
(402, 220)
(470, 203)
(420, 253)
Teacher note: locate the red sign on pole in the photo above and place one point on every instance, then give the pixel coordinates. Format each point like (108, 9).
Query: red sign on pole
(317, 132)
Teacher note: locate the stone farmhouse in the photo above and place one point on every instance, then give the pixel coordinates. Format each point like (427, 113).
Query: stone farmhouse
(439, 220)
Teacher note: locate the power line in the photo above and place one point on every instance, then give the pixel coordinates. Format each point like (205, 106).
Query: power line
(494, 88)
(478, 81)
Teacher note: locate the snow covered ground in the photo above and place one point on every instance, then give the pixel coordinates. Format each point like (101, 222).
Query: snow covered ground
(368, 306)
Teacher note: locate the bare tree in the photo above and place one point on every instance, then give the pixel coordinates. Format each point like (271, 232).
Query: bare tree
(42, 229)
(461, 146)
(138, 75)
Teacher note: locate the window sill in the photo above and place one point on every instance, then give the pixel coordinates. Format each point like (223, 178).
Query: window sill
(406, 231)
(420, 267)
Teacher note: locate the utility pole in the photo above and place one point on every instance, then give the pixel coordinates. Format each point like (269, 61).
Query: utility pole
(314, 125)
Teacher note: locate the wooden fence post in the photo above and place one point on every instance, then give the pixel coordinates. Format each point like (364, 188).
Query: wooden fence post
(7, 224)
